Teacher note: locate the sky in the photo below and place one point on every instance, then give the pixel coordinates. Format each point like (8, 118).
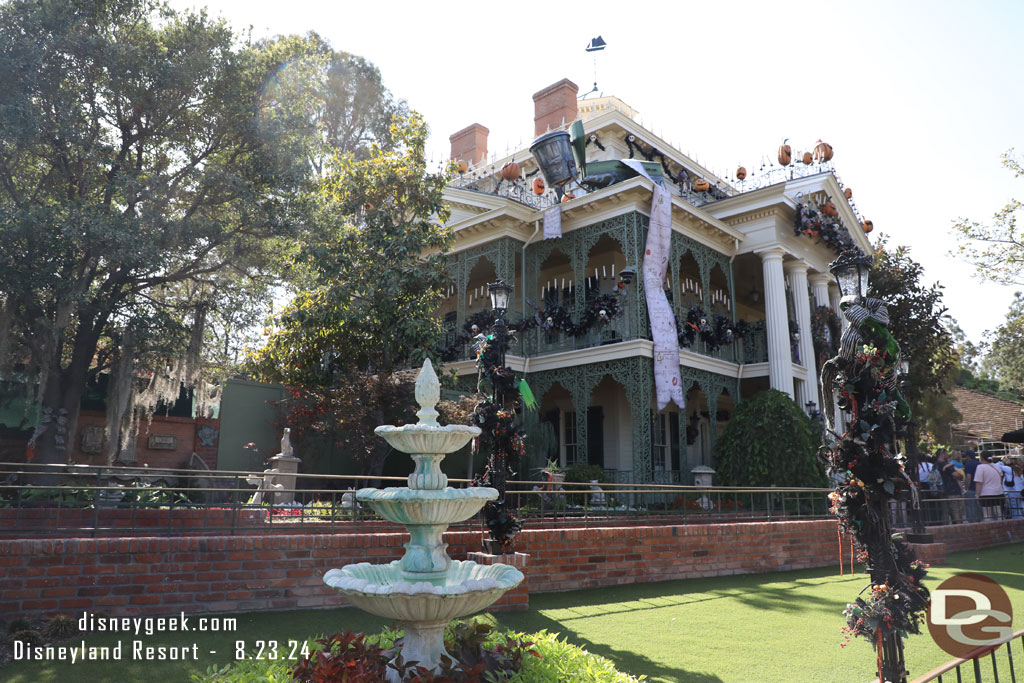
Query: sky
(918, 99)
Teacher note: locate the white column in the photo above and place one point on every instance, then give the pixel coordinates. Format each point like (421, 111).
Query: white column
(819, 286)
(833, 301)
(780, 367)
(796, 273)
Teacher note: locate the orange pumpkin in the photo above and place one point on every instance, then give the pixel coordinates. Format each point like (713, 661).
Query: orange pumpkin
(822, 151)
(510, 171)
(701, 185)
(829, 209)
(567, 196)
(867, 226)
(741, 173)
(785, 154)
(462, 165)
(808, 158)
(538, 186)
(848, 193)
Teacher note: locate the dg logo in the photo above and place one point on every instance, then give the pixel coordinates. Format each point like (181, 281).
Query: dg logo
(968, 611)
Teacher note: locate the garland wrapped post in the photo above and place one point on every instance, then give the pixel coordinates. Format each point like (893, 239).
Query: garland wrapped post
(870, 474)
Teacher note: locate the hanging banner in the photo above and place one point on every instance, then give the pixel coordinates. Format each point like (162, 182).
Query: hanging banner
(667, 384)
(553, 222)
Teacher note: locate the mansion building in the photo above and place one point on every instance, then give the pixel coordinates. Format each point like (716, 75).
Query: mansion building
(734, 254)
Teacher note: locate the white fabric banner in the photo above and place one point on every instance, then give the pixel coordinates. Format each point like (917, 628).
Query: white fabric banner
(667, 384)
(553, 222)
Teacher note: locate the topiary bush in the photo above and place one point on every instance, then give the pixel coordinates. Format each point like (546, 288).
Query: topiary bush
(769, 442)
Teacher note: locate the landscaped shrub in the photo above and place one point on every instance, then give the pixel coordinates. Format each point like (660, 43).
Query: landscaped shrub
(484, 654)
(769, 442)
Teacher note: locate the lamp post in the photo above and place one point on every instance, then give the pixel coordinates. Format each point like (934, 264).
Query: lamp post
(500, 293)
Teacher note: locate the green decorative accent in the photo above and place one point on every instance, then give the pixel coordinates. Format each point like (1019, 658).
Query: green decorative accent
(529, 402)
(502, 255)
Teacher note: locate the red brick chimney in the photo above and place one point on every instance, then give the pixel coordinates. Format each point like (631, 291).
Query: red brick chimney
(554, 106)
(470, 144)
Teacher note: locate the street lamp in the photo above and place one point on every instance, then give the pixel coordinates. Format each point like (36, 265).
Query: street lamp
(851, 271)
(627, 274)
(501, 293)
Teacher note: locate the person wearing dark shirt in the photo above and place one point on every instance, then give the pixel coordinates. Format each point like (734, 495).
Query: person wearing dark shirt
(970, 490)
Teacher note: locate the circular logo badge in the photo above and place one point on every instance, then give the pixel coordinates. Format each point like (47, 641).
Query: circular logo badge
(969, 611)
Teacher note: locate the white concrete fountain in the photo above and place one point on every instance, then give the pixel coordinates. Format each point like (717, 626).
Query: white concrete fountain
(425, 589)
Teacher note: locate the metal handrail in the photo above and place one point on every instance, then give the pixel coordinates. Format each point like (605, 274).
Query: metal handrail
(974, 658)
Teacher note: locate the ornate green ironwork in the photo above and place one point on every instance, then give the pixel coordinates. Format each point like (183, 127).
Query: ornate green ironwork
(502, 255)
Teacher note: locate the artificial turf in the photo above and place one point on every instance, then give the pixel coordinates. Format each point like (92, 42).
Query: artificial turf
(763, 627)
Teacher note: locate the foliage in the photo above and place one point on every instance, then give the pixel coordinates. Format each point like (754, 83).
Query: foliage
(584, 473)
(482, 654)
(134, 190)
(995, 249)
(368, 308)
(1006, 357)
(769, 442)
(916, 321)
(61, 626)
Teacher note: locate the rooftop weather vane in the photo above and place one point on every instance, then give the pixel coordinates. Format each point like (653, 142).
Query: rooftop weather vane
(595, 45)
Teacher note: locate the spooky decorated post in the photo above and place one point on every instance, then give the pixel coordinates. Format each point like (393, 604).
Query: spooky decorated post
(869, 471)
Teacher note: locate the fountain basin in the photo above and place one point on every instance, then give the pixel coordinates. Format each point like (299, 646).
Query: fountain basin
(382, 589)
(426, 507)
(423, 438)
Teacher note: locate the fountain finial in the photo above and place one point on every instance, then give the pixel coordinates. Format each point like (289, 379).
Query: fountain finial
(428, 393)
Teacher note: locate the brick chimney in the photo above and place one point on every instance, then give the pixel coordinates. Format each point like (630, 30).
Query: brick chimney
(554, 106)
(470, 144)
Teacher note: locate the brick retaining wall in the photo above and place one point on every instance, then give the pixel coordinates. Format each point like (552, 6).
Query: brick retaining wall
(208, 574)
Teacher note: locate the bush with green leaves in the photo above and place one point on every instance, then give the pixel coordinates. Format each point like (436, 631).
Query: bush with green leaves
(769, 442)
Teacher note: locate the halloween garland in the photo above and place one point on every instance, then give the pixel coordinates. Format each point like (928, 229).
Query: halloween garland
(814, 223)
(600, 310)
(715, 332)
(870, 476)
(592, 138)
(681, 179)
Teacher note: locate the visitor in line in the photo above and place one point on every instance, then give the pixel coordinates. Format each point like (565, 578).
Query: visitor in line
(929, 486)
(1013, 484)
(970, 492)
(950, 487)
(989, 479)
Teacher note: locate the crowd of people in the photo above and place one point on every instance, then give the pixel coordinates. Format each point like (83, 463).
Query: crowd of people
(971, 487)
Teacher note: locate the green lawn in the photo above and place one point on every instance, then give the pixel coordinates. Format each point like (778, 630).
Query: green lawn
(768, 627)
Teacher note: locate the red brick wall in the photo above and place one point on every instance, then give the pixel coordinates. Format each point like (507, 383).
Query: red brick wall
(247, 573)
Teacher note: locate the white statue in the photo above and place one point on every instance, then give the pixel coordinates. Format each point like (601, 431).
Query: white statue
(286, 443)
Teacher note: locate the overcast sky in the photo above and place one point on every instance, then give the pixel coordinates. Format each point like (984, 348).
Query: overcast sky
(918, 99)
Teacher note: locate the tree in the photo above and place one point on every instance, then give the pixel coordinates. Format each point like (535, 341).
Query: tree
(769, 442)
(917, 322)
(996, 249)
(1006, 355)
(375, 278)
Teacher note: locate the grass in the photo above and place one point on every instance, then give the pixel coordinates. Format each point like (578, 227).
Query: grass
(767, 627)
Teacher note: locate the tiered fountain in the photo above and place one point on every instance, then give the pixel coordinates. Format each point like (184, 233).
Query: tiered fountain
(425, 589)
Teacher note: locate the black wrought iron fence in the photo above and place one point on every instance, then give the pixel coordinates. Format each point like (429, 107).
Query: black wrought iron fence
(103, 501)
(988, 663)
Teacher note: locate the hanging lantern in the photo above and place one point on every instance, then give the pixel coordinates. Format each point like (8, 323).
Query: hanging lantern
(510, 171)
(785, 153)
(538, 186)
(867, 226)
(807, 158)
(851, 271)
(741, 173)
(500, 293)
(829, 209)
(848, 193)
(822, 152)
(701, 185)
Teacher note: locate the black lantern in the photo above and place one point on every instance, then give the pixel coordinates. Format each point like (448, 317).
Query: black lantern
(851, 271)
(554, 156)
(500, 292)
(626, 275)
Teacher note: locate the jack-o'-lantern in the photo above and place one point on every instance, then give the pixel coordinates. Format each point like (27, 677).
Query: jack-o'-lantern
(701, 185)
(568, 196)
(785, 153)
(510, 171)
(807, 158)
(848, 193)
(829, 209)
(822, 151)
(463, 165)
(538, 186)
(741, 173)
(867, 226)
